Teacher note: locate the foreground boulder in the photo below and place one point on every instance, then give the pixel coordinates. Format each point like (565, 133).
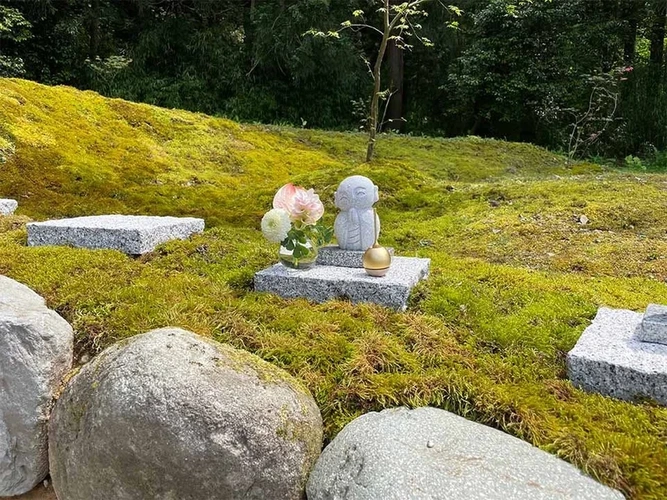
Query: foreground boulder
(35, 354)
(170, 415)
(433, 454)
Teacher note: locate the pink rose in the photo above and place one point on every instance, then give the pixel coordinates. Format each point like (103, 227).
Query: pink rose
(308, 208)
(301, 205)
(284, 198)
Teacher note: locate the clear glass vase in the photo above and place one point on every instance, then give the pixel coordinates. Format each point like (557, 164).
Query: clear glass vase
(304, 262)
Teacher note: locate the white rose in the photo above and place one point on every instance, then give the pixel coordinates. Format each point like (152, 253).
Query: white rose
(276, 224)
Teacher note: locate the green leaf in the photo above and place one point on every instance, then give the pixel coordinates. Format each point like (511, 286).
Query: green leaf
(300, 251)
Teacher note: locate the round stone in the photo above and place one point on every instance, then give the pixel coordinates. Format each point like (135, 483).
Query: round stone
(432, 454)
(35, 355)
(171, 415)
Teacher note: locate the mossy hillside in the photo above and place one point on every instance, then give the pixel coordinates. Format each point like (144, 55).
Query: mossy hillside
(516, 275)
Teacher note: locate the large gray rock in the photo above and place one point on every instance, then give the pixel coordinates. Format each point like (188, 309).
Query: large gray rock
(35, 354)
(169, 415)
(131, 234)
(610, 359)
(7, 207)
(432, 454)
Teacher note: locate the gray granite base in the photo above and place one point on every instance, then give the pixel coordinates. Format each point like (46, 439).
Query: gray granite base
(322, 283)
(334, 255)
(609, 359)
(131, 234)
(654, 325)
(7, 207)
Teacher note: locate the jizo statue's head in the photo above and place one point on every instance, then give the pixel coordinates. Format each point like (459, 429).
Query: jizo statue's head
(356, 192)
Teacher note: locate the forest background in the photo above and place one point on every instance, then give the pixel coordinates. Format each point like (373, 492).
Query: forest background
(585, 77)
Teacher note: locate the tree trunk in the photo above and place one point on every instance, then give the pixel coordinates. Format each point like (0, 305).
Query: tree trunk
(389, 26)
(249, 33)
(375, 100)
(657, 34)
(394, 112)
(630, 43)
(94, 27)
(377, 76)
(395, 103)
(629, 13)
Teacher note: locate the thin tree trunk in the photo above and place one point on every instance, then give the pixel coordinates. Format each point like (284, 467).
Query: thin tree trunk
(389, 26)
(658, 33)
(377, 75)
(394, 110)
(94, 42)
(630, 44)
(630, 12)
(375, 102)
(249, 33)
(395, 104)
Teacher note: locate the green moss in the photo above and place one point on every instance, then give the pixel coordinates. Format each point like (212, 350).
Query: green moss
(516, 276)
(241, 360)
(77, 413)
(7, 149)
(291, 429)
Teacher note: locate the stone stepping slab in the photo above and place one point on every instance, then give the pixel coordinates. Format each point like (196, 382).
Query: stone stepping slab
(323, 283)
(7, 207)
(131, 234)
(610, 359)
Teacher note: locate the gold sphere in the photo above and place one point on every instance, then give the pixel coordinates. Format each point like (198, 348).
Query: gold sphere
(377, 261)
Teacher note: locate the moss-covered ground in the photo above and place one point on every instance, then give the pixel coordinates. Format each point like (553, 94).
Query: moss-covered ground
(517, 275)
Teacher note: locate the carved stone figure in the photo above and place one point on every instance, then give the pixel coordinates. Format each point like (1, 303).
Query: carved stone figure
(357, 226)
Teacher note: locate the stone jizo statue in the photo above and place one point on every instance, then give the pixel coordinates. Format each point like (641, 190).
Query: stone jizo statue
(357, 226)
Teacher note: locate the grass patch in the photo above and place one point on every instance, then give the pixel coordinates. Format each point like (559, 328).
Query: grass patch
(516, 274)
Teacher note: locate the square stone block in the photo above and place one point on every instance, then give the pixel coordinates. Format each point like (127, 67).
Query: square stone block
(334, 255)
(654, 325)
(131, 234)
(322, 283)
(7, 207)
(609, 359)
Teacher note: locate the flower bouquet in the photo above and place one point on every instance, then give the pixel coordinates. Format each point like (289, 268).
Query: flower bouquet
(295, 223)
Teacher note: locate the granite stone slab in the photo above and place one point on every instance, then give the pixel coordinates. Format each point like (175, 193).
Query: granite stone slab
(654, 325)
(322, 283)
(131, 234)
(609, 359)
(335, 256)
(7, 207)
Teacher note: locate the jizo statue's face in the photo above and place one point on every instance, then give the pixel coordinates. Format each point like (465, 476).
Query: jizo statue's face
(356, 192)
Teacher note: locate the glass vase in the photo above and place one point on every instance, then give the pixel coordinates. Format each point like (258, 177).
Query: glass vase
(305, 262)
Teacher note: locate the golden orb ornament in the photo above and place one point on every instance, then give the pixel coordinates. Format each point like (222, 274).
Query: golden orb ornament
(377, 261)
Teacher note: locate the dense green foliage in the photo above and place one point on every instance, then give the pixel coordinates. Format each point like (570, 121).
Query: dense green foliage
(515, 277)
(14, 28)
(514, 69)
